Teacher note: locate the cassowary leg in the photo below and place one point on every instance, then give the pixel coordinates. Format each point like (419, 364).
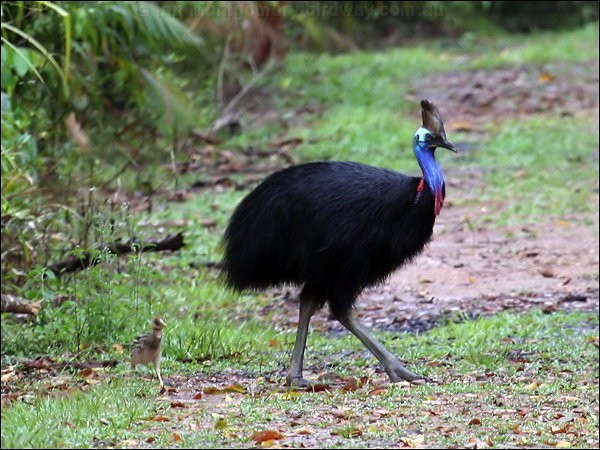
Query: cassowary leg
(157, 370)
(394, 368)
(308, 306)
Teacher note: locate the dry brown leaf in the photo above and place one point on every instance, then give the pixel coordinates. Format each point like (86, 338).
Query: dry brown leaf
(87, 372)
(475, 422)
(266, 435)
(318, 387)
(177, 437)
(545, 77)
(158, 418)
(177, 404)
(351, 384)
(376, 391)
(461, 125)
(560, 430)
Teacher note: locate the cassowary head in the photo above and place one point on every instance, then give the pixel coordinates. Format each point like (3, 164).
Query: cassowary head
(158, 323)
(427, 138)
(432, 122)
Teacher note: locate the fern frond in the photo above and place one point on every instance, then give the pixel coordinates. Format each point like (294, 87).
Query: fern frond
(168, 100)
(160, 26)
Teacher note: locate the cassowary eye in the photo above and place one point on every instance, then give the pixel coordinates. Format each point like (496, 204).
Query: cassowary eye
(428, 138)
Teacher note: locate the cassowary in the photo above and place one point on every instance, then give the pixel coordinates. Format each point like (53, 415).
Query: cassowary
(146, 347)
(337, 228)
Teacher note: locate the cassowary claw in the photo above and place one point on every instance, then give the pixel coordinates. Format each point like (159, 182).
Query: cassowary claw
(291, 381)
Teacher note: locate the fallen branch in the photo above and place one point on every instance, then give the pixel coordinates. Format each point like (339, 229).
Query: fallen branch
(88, 259)
(19, 305)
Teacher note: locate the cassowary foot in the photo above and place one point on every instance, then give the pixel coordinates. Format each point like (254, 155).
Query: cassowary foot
(399, 373)
(301, 382)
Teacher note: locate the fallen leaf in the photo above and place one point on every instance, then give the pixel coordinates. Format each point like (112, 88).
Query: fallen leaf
(563, 444)
(348, 432)
(177, 437)
(234, 388)
(87, 372)
(290, 394)
(532, 386)
(475, 422)
(376, 391)
(198, 396)
(158, 418)
(560, 430)
(118, 348)
(266, 435)
(461, 125)
(318, 387)
(546, 272)
(351, 384)
(177, 404)
(476, 443)
(220, 424)
(414, 441)
(545, 77)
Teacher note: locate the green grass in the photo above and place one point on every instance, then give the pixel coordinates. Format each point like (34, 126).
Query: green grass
(105, 414)
(542, 168)
(557, 373)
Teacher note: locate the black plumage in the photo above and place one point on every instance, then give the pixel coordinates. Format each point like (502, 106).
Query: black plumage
(335, 228)
(338, 227)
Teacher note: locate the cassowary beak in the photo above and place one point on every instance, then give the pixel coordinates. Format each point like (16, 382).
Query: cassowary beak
(446, 144)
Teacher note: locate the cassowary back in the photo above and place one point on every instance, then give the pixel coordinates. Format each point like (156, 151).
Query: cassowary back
(336, 227)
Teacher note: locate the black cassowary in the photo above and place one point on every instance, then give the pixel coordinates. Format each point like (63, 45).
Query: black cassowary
(337, 228)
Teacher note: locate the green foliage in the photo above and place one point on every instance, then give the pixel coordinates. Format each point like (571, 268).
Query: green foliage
(115, 61)
(81, 107)
(105, 415)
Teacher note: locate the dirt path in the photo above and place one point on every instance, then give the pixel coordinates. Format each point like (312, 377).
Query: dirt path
(552, 266)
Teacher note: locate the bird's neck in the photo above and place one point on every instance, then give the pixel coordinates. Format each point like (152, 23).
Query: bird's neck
(432, 174)
(157, 334)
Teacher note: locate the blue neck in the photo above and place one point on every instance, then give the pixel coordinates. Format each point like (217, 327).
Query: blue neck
(432, 172)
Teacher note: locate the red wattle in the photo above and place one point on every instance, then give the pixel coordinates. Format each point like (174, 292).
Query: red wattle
(439, 202)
